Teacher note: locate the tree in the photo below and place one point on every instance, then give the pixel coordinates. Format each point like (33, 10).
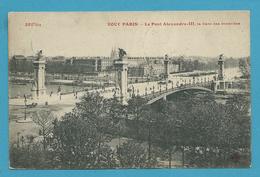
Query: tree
(94, 109)
(74, 143)
(117, 114)
(203, 128)
(44, 119)
(108, 158)
(244, 67)
(132, 155)
(167, 128)
(237, 130)
(147, 122)
(77, 145)
(214, 132)
(116, 110)
(135, 109)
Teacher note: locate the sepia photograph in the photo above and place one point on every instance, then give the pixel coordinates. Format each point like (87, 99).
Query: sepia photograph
(129, 90)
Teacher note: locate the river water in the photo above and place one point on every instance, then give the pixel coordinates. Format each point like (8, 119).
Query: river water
(16, 90)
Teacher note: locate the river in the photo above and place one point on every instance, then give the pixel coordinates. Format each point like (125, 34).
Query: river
(17, 90)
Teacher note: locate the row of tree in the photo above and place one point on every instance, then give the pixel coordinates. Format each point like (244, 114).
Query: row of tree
(197, 131)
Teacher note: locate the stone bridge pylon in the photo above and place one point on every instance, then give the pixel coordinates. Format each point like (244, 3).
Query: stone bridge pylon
(121, 66)
(38, 86)
(220, 82)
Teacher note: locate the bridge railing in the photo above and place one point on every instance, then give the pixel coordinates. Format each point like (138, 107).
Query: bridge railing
(154, 94)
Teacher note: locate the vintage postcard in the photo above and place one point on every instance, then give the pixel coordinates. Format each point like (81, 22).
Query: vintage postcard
(112, 90)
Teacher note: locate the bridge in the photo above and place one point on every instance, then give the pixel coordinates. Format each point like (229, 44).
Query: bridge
(152, 98)
(151, 91)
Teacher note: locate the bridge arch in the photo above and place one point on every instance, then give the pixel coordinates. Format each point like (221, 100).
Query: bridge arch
(170, 92)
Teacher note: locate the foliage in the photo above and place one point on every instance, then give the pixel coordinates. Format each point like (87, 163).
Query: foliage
(76, 143)
(81, 135)
(204, 132)
(132, 155)
(244, 67)
(29, 155)
(135, 109)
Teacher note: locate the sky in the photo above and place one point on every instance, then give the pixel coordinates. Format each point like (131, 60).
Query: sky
(91, 34)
